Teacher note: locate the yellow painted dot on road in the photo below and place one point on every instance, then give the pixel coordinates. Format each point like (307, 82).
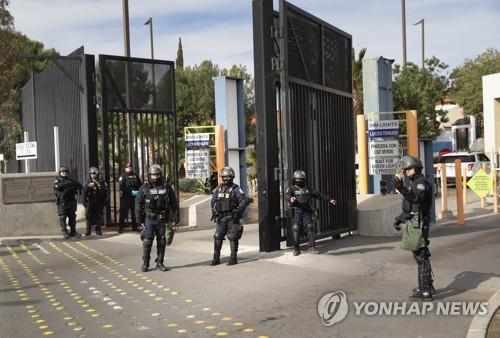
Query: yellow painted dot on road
(123, 293)
(159, 298)
(190, 316)
(85, 305)
(107, 326)
(90, 310)
(210, 327)
(30, 306)
(77, 328)
(147, 291)
(172, 325)
(35, 316)
(156, 314)
(148, 280)
(43, 327)
(60, 308)
(113, 286)
(166, 289)
(154, 283)
(215, 313)
(248, 330)
(238, 324)
(188, 300)
(199, 321)
(71, 323)
(263, 337)
(206, 309)
(68, 318)
(140, 288)
(25, 298)
(56, 303)
(182, 331)
(80, 301)
(174, 293)
(227, 318)
(32, 311)
(48, 333)
(40, 321)
(221, 334)
(95, 315)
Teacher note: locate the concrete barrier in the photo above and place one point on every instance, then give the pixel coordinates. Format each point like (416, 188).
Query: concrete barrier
(376, 214)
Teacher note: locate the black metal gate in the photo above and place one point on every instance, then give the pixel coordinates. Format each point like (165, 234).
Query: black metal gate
(314, 127)
(139, 119)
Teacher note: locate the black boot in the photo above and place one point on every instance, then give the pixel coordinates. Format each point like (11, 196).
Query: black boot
(146, 253)
(120, 228)
(234, 252)
(296, 239)
(88, 227)
(424, 289)
(98, 230)
(217, 247)
(72, 226)
(160, 249)
(62, 223)
(311, 239)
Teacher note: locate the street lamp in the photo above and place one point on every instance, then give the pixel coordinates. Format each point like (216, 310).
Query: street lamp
(150, 23)
(423, 45)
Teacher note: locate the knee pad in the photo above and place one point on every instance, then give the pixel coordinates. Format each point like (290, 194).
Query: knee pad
(161, 241)
(218, 236)
(309, 228)
(147, 242)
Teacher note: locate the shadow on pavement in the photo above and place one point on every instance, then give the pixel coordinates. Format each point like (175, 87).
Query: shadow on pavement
(463, 282)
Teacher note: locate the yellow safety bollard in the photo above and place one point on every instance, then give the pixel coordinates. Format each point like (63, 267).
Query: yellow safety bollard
(459, 192)
(362, 155)
(219, 149)
(412, 132)
(464, 174)
(495, 191)
(444, 189)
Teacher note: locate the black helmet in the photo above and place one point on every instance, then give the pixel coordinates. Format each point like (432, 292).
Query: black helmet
(155, 169)
(299, 178)
(63, 168)
(227, 174)
(408, 162)
(93, 170)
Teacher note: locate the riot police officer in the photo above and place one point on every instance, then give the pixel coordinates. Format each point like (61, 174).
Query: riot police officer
(65, 189)
(228, 203)
(129, 188)
(416, 210)
(300, 198)
(156, 205)
(95, 197)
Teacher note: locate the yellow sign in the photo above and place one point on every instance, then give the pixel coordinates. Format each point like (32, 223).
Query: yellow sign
(481, 183)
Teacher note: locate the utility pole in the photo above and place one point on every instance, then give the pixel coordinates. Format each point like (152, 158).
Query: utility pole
(403, 24)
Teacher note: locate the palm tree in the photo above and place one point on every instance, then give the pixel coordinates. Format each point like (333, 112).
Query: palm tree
(357, 81)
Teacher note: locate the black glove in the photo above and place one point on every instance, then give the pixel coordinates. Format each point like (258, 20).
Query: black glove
(396, 224)
(397, 182)
(214, 216)
(236, 213)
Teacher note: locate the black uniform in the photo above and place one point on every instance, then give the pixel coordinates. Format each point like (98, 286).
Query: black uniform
(66, 189)
(416, 209)
(156, 204)
(302, 213)
(95, 197)
(129, 188)
(228, 203)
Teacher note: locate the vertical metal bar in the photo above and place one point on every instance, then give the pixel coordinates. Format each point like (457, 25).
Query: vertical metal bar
(174, 133)
(265, 102)
(403, 26)
(112, 118)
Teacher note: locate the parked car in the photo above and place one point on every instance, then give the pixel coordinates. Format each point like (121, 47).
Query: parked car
(471, 160)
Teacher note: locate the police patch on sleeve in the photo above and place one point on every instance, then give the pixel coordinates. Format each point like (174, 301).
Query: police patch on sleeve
(420, 187)
(240, 191)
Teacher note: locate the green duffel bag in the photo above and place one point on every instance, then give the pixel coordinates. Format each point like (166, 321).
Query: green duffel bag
(412, 237)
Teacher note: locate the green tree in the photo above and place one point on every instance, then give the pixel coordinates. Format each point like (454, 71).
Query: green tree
(15, 70)
(467, 84)
(421, 89)
(357, 80)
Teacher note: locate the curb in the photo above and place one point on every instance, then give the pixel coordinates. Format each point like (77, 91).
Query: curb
(479, 326)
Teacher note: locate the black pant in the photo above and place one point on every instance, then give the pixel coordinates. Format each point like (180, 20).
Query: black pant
(127, 203)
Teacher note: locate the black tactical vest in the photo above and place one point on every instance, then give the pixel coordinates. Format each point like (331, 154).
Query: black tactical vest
(224, 200)
(156, 198)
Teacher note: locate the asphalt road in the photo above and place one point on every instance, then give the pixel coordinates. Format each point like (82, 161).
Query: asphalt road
(94, 287)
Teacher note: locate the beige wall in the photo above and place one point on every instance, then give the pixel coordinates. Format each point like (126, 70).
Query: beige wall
(491, 107)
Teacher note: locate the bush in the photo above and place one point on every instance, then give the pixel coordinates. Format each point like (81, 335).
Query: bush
(190, 185)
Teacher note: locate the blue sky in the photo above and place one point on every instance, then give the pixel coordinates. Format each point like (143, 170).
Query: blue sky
(221, 30)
